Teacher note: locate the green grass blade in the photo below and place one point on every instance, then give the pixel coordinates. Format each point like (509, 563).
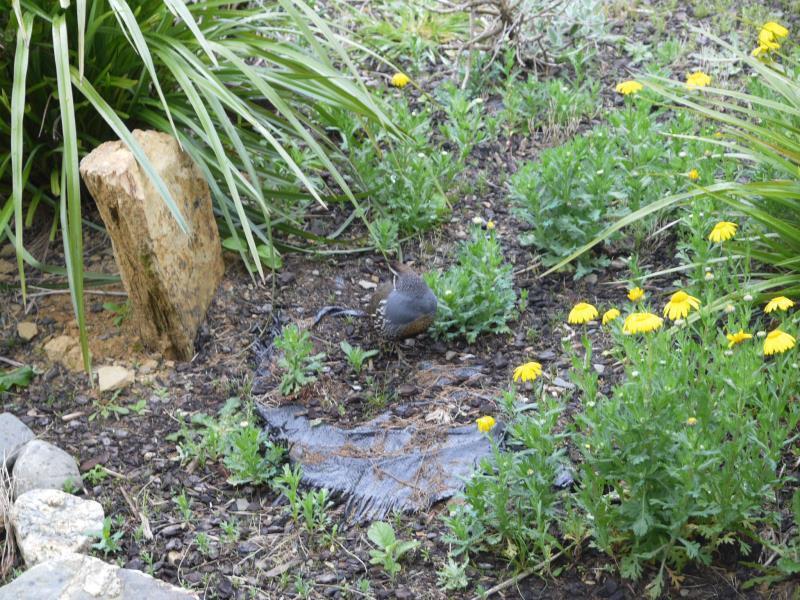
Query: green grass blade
(17, 132)
(71, 189)
(110, 116)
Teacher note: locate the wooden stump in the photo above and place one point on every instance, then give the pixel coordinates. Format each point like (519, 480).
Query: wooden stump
(170, 276)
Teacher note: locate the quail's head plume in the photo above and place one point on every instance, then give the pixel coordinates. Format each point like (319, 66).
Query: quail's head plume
(404, 307)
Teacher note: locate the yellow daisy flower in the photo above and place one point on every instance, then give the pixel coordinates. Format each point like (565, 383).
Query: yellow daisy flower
(779, 303)
(642, 323)
(776, 29)
(581, 313)
(680, 304)
(527, 372)
(778, 342)
(400, 80)
(694, 175)
(766, 39)
(629, 87)
(610, 315)
(723, 231)
(737, 338)
(691, 421)
(485, 424)
(697, 79)
(635, 294)
(490, 225)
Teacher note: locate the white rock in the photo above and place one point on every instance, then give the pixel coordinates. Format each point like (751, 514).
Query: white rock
(27, 330)
(49, 523)
(41, 465)
(112, 378)
(78, 577)
(14, 434)
(66, 350)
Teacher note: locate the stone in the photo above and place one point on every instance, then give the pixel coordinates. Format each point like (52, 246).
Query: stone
(66, 350)
(78, 577)
(41, 465)
(49, 523)
(170, 276)
(27, 330)
(110, 378)
(14, 434)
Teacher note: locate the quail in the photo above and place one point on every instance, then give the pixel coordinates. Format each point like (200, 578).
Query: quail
(404, 307)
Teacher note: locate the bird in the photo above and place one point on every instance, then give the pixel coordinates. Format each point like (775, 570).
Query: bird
(403, 307)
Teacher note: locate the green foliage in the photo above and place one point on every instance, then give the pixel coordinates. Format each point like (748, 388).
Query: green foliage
(389, 550)
(297, 362)
(108, 542)
(244, 459)
(510, 506)
(120, 311)
(234, 437)
(356, 355)
(553, 105)
(467, 123)
(476, 295)
(19, 378)
(572, 192)
(244, 88)
(96, 475)
(314, 506)
(453, 575)
(185, 508)
(288, 482)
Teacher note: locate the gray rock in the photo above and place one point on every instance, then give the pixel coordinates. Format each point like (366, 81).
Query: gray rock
(79, 577)
(14, 434)
(41, 465)
(49, 523)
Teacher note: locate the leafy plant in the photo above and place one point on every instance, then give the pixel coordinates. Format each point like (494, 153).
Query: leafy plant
(108, 543)
(356, 355)
(96, 475)
(120, 311)
(315, 505)
(244, 459)
(185, 508)
(297, 361)
(477, 294)
(389, 550)
(242, 87)
(453, 575)
(288, 482)
(19, 377)
(572, 192)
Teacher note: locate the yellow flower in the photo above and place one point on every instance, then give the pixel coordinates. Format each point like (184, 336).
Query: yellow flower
(766, 39)
(778, 342)
(485, 423)
(759, 50)
(582, 313)
(680, 304)
(635, 294)
(527, 372)
(610, 315)
(779, 303)
(400, 80)
(490, 225)
(694, 175)
(642, 323)
(629, 87)
(697, 79)
(776, 29)
(737, 338)
(723, 231)
(691, 421)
